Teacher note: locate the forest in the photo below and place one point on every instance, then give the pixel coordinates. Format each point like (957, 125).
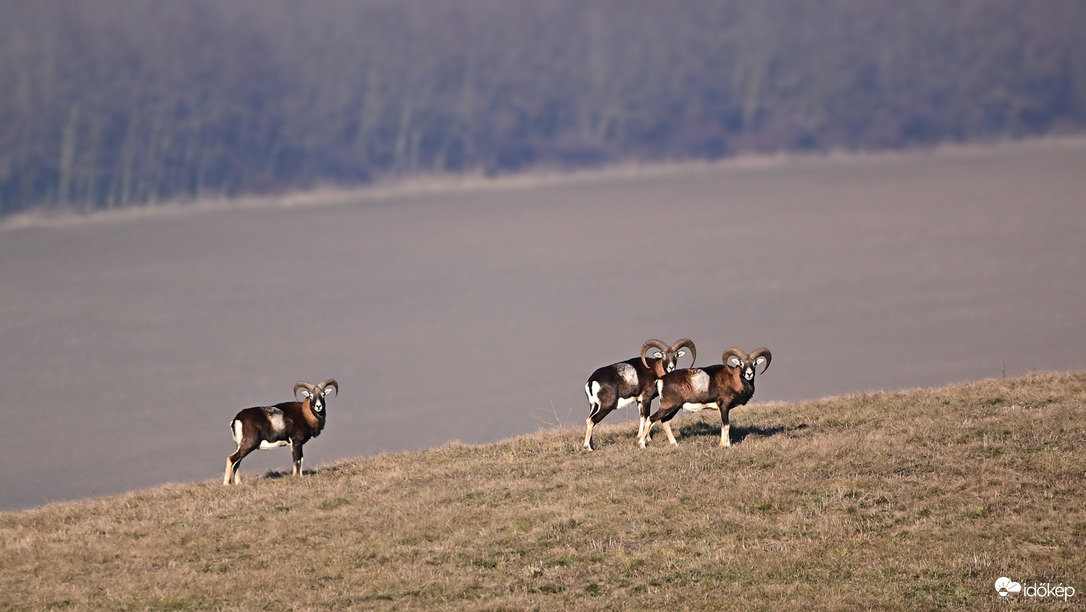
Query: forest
(114, 103)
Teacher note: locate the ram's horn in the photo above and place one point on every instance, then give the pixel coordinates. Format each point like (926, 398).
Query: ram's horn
(660, 344)
(330, 382)
(762, 352)
(733, 352)
(304, 385)
(688, 343)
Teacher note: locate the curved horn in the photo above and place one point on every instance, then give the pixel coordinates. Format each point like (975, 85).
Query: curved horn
(660, 344)
(762, 352)
(733, 352)
(688, 343)
(329, 382)
(304, 385)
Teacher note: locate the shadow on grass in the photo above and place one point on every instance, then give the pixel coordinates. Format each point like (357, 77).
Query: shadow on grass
(277, 474)
(707, 428)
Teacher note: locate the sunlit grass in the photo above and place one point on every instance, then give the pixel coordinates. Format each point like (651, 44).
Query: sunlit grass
(907, 500)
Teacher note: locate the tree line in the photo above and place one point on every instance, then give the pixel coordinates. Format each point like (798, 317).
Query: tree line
(111, 103)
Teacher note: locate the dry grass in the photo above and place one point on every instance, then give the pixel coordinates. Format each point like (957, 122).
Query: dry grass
(910, 500)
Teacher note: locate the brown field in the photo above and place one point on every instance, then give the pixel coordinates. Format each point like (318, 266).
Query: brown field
(474, 311)
(912, 500)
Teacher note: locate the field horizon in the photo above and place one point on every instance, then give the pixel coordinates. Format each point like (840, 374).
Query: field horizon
(394, 188)
(916, 499)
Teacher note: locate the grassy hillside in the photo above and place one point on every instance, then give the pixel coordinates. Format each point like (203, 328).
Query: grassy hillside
(907, 500)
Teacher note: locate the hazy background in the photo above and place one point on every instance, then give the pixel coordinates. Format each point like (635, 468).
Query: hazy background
(474, 305)
(111, 103)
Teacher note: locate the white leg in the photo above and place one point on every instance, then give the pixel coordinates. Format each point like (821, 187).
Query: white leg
(588, 433)
(670, 436)
(725, 435)
(644, 427)
(296, 454)
(645, 434)
(233, 462)
(643, 419)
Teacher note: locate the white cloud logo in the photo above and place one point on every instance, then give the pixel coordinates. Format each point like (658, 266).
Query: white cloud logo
(1005, 585)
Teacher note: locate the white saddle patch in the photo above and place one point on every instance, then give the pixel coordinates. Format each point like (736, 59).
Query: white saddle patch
(628, 374)
(694, 407)
(276, 417)
(699, 381)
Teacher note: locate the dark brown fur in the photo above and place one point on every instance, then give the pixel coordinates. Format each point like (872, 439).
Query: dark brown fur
(292, 422)
(613, 387)
(729, 385)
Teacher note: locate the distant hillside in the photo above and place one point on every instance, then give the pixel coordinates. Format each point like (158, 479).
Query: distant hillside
(111, 103)
(908, 500)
